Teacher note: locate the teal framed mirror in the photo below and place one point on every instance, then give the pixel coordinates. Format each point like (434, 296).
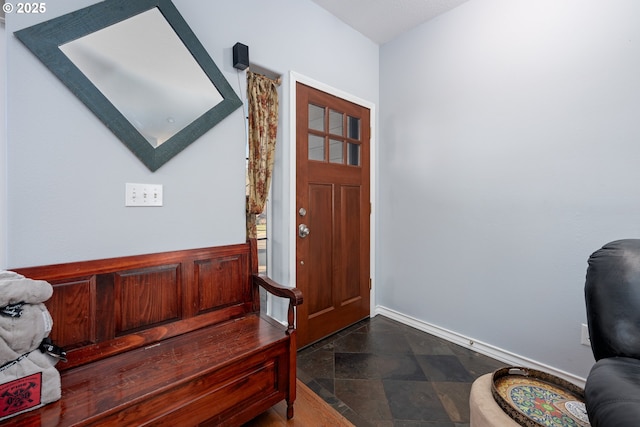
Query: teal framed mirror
(138, 66)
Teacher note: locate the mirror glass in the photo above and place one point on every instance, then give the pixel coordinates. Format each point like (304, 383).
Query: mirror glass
(147, 73)
(140, 68)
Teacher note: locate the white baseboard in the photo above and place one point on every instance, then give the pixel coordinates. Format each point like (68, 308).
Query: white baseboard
(478, 346)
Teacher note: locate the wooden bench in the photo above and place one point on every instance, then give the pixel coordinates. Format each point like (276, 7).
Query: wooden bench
(171, 338)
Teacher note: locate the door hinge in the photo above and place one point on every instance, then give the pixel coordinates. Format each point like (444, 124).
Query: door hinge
(370, 285)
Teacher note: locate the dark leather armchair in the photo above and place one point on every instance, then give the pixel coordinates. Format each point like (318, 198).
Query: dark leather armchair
(612, 294)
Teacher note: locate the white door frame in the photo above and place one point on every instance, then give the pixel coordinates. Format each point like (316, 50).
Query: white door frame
(295, 78)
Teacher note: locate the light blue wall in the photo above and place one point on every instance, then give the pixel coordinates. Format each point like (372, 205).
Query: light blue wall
(66, 171)
(508, 154)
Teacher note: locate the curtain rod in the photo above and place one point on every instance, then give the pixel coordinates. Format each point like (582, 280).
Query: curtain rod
(264, 72)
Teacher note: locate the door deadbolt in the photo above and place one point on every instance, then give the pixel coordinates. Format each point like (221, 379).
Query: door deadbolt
(302, 212)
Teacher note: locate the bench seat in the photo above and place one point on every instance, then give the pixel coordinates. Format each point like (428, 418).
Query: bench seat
(197, 369)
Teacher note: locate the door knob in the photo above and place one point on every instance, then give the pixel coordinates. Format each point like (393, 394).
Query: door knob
(303, 230)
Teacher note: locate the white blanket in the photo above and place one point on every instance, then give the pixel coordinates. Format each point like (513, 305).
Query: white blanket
(19, 335)
(35, 362)
(24, 323)
(15, 288)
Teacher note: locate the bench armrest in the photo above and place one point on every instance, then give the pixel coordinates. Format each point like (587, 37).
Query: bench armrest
(293, 294)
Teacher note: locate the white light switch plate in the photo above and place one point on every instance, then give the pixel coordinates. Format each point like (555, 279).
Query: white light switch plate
(143, 194)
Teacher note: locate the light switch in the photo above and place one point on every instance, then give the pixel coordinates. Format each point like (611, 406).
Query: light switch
(143, 194)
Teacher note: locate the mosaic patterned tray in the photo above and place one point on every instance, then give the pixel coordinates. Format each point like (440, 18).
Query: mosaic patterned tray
(534, 398)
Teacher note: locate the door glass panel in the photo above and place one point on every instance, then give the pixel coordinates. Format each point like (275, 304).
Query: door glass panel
(353, 127)
(335, 122)
(316, 147)
(335, 151)
(316, 118)
(353, 154)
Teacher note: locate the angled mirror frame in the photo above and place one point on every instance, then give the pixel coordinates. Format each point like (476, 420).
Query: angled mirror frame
(45, 39)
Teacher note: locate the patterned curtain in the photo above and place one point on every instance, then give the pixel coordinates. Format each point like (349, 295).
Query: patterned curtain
(262, 96)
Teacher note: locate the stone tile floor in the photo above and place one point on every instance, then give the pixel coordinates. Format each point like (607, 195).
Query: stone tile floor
(382, 373)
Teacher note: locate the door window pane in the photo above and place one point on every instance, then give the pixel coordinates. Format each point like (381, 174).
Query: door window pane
(335, 151)
(353, 127)
(316, 147)
(316, 118)
(353, 154)
(335, 122)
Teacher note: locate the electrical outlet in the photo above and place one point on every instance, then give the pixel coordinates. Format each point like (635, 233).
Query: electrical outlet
(143, 195)
(584, 335)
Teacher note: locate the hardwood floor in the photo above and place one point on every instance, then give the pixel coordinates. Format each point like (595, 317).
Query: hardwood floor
(310, 410)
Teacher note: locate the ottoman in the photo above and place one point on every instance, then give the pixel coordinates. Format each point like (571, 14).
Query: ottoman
(484, 411)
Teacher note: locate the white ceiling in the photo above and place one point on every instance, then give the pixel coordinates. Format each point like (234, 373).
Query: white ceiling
(383, 20)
